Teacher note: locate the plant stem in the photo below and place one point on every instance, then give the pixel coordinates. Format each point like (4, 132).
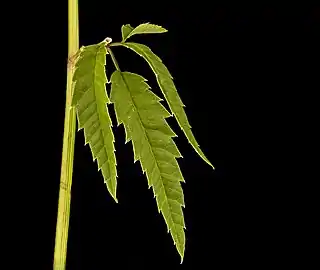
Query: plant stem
(115, 44)
(60, 252)
(113, 59)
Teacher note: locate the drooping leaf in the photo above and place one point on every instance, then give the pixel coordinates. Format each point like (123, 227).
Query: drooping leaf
(169, 91)
(144, 28)
(90, 99)
(126, 30)
(143, 117)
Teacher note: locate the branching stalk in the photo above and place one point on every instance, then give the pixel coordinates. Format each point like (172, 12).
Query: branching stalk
(60, 251)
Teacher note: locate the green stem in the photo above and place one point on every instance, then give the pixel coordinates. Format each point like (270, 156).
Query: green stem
(60, 251)
(115, 44)
(113, 59)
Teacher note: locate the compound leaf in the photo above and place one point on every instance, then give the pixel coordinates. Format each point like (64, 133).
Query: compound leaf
(143, 117)
(169, 91)
(90, 99)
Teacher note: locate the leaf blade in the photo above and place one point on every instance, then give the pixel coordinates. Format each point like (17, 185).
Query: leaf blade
(169, 91)
(126, 30)
(153, 146)
(144, 28)
(90, 100)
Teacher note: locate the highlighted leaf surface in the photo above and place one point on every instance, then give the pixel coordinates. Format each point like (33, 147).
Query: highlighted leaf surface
(144, 28)
(126, 30)
(169, 91)
(90, 99)
(143, 117)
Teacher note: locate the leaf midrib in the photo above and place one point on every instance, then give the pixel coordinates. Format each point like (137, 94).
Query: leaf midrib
(99, 112)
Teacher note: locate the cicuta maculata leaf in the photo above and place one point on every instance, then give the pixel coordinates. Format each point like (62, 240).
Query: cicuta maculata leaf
(143, 117)
(169, 91)
(90, 99)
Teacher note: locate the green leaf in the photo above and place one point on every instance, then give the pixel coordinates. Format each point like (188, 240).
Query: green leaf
(143, 117)
(90, 99)
(169, 91)
(144, 28)
(126, 30)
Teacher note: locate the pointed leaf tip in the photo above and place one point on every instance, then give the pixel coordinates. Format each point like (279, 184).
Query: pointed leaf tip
(115, 198)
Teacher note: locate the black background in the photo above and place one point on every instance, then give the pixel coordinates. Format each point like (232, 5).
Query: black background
(241, 72)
